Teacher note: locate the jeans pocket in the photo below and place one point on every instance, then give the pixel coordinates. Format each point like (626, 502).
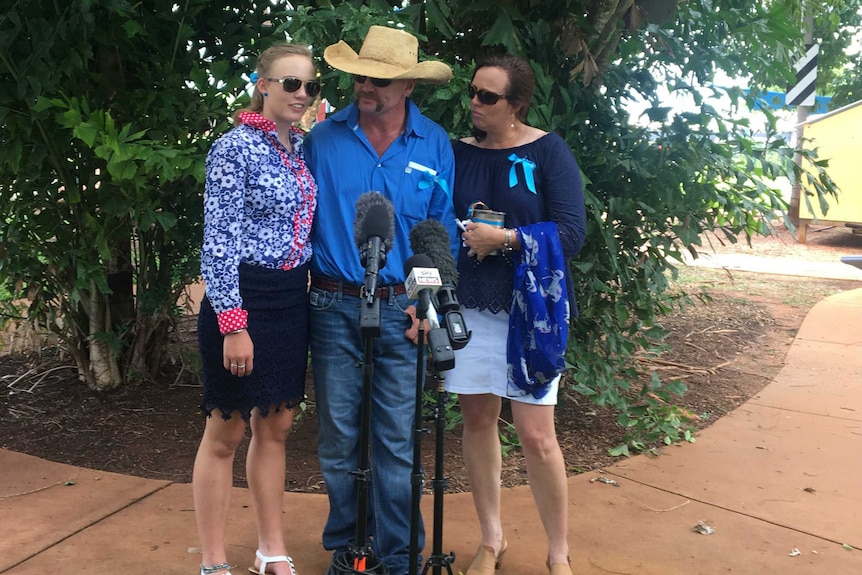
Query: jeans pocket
(401, 302)
(320, 299)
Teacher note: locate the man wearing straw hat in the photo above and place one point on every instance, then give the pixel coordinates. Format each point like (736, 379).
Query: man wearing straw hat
(380, 142)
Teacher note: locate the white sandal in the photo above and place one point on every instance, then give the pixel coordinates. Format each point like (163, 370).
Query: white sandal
(264, 561)
(215, 569)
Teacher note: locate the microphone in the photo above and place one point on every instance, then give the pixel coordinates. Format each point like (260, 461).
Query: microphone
(431, 238)
(421, 283)
(373, 229)
(423, 280)
(421, 275)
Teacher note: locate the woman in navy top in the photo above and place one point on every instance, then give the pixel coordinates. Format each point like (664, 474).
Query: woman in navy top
(515, 286)
(253, 324)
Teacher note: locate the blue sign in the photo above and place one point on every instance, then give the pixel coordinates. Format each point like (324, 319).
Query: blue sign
(776, 101)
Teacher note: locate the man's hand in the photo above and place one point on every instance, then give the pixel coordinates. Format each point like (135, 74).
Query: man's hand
(412, 332)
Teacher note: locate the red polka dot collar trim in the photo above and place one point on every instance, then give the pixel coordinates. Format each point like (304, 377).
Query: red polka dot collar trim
(257, 121)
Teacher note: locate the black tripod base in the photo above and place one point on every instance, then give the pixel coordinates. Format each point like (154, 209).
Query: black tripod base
(439, 562)
(357, 561)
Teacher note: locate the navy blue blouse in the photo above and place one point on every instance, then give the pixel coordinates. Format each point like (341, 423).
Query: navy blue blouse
(546, 187)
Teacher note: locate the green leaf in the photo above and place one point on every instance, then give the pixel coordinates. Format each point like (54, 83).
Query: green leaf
(132, 28)
(86, 132)
(43, 103)
(619, 450)
(502, 33)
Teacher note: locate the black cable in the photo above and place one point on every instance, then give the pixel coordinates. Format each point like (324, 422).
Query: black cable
(343, 565)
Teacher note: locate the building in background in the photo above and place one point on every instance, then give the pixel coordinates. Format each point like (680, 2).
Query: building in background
(837, 137)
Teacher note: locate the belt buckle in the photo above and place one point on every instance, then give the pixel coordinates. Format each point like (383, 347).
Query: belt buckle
(380, 293)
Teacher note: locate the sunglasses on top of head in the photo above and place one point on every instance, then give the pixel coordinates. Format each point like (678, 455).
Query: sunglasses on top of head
(484, 96)
(291, 84)
(379, 82)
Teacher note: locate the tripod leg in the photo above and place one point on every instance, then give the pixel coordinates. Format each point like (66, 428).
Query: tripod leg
(438, 560)
(360, 557)
(417, 478)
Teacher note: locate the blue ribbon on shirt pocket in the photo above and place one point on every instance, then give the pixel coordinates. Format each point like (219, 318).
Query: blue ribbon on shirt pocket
(426, 181)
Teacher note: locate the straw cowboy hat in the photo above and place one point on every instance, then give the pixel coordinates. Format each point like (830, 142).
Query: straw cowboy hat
(388, 54)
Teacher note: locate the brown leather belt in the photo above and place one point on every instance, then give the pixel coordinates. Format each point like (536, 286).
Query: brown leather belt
(327, 284)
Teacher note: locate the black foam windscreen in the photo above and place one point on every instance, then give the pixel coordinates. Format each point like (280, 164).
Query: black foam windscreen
(431, 238)
(378, 222)
(417, 261)
(375, 217)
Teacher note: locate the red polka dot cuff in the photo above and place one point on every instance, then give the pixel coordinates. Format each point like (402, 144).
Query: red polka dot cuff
(232, 320)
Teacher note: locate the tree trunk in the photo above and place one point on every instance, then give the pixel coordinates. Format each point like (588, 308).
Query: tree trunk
(149, 348)
(104, 370)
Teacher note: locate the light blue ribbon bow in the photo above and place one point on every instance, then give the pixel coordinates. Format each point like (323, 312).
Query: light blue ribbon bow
(253, 77)
(428, 180)
(528, 168)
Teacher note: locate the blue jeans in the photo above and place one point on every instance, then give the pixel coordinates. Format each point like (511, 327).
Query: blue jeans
(337, 352)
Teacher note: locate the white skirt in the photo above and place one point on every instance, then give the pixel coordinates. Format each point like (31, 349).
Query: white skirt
(480, 367)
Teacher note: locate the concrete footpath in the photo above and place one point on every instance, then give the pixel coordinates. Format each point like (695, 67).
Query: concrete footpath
(779, 481)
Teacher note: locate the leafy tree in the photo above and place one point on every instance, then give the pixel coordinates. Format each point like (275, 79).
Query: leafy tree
(115, 103)
(654, 183)
(108, 111)
(838, 70)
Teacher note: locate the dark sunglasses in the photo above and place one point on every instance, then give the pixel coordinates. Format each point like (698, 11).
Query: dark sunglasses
(379, 82)
(485, 97)
(291, 84)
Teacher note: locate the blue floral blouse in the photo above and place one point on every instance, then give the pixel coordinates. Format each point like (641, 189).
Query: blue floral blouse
(258, 208)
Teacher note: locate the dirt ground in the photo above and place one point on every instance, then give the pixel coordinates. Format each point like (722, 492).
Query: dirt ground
(725, 350)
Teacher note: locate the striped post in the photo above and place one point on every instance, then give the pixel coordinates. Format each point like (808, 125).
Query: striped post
(802, 94)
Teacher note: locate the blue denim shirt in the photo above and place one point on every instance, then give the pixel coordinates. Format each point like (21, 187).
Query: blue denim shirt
(415, 173)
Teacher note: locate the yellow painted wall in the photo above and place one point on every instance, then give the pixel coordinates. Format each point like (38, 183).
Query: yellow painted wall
(838, 138)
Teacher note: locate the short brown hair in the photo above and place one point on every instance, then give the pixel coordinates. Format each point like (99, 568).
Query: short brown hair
(522, 83)
(522, 80)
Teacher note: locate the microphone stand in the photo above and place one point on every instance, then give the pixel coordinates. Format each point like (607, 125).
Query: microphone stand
(438, 560)
(359, 558)
(441, 353)
(417, 478)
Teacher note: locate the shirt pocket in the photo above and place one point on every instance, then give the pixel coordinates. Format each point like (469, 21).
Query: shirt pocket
(418, 185)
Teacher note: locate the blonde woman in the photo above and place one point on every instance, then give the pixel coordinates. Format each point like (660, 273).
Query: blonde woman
(253, 325)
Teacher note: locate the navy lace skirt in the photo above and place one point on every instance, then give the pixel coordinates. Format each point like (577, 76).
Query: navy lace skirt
(277, 305)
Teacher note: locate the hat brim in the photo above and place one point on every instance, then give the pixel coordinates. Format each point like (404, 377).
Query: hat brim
(342, 57)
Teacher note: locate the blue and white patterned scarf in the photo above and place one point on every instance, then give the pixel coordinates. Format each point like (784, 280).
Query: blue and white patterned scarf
(538, 323)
